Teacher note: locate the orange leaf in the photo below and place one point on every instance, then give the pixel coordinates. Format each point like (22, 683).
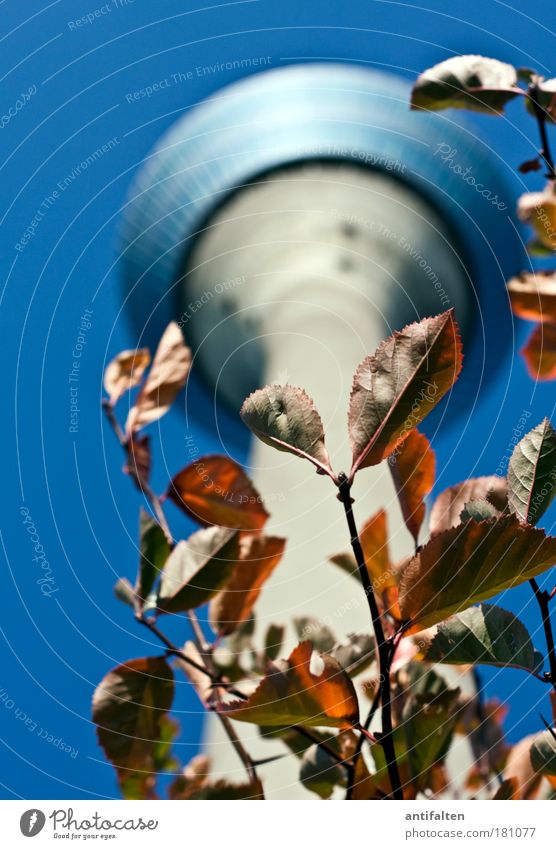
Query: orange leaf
(446, 510)
(382, 572)
(533, 295)
(258, 557)
(215, 490)
(471, 563)
(374, 541)
(413, 467)
(539, 352)
(292, 694)
(395, 388)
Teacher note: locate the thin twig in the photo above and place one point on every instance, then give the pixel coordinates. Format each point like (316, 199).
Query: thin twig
(210, 673)
(151, 497)
(384, 648)
(543, 600)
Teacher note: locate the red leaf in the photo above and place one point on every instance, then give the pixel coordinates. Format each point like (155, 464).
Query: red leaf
(215, 490)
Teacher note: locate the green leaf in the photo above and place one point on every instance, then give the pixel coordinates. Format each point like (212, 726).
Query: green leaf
(471, 563)
(429, 718)
(309, 628)
(273, 640)
(447, 508)
(292, 694)
(466, 82)
(396, 387)
(285, 418)
(198, 568)
(154, 551)
(532, 473)
(129, 709)
(484, 634)
(543, 753)
(319, 772)
(355, 655)
(479, 510)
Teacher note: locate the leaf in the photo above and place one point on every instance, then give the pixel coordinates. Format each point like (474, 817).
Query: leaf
(356, 655)
(447, 509)
(532, 472)
(508, 790)
(124, 592)
(543, 753)
(138, 465)
(520, 769)
(466, 82)
(310, 628)
(194, 784)
(166, 377)
(258, 557)
(539, 352)
(429, 718)
(533, 295)
(319, 772)
(545, 96)
(395, 388)
(484, 634)
(273, 641)
(285, 418)
(198, 568)
(124, 372)
(538, 209)
(215, 490)
(479, 510)
(129, 707)
(530, 165)
(154, 550)
(469, 564)
(413, 469)
(291, 694)
(382, 572)
(222, 790)
(192, 779)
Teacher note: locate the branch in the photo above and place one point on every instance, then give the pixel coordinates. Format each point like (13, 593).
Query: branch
(210, 673)
(543, 600)
(540, 115)
(142, 485)
(383, 646)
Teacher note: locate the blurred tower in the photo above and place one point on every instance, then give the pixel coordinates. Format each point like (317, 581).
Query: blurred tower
(291, 222)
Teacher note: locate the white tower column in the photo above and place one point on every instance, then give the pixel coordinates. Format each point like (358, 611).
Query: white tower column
(308, 271)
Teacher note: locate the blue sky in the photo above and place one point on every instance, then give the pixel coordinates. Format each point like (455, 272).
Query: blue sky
(76, 78)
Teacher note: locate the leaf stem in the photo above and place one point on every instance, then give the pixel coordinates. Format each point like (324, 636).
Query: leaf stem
(383, 646)
(540, 116)
(543, 600)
